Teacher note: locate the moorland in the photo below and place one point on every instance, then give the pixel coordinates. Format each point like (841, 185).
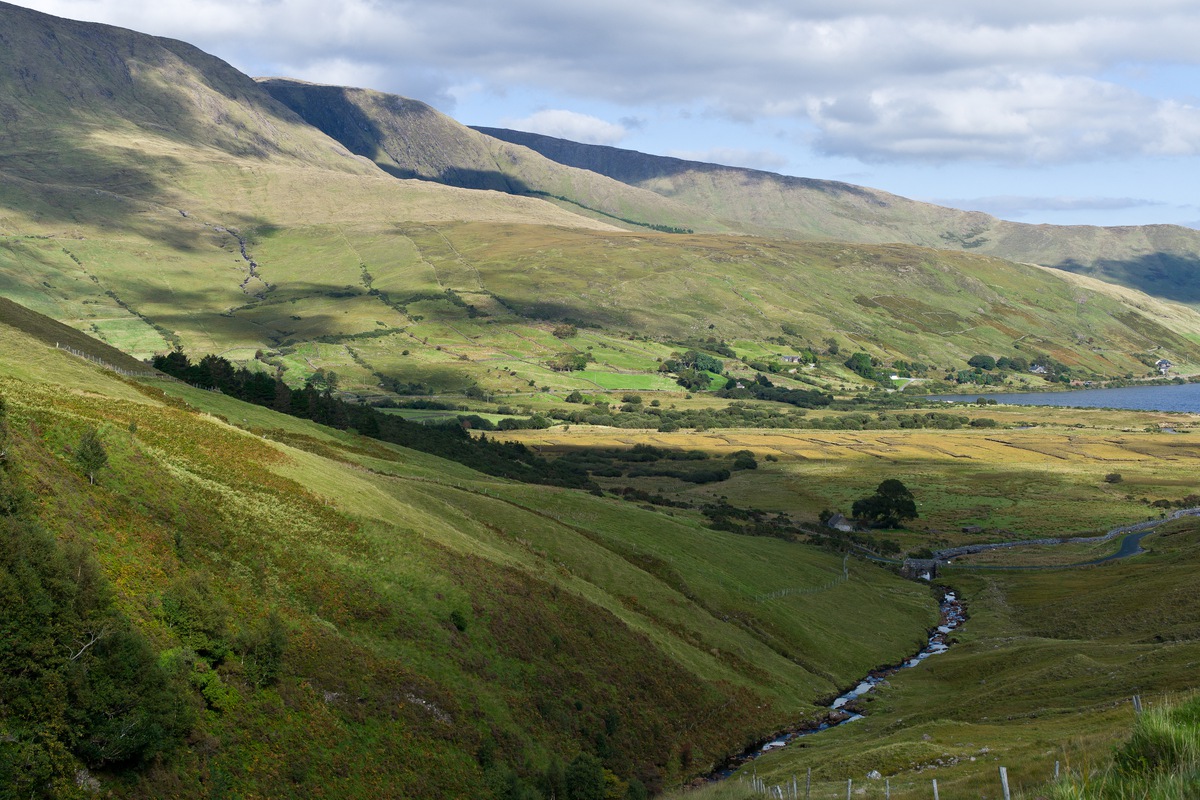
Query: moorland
(391, 457)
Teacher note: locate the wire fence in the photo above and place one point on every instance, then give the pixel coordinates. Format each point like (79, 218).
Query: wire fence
(780, 593)
(113, 367)
(873, 787)
(1032, 777)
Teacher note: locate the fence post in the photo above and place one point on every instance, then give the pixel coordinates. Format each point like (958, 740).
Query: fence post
(1055, 770)
(1004, 783)
(849, 787)
(935, 794)
(1137, 704)
(887, 789)
(808, 785)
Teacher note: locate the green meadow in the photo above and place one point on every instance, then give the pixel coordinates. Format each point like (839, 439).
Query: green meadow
(419, 596)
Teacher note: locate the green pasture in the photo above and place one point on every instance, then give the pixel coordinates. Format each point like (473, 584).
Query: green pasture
(1043, 671)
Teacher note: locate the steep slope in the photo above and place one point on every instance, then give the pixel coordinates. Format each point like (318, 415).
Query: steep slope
(1161, 260)
(156, 198)
(132, 170)
(409, 139)
(334, 616)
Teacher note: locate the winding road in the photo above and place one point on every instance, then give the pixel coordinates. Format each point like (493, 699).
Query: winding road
(1130, 544)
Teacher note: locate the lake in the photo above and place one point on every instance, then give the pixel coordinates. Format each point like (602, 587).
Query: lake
(1173, 397)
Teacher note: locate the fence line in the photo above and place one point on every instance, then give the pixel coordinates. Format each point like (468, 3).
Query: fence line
(113, 367)
(778, 593)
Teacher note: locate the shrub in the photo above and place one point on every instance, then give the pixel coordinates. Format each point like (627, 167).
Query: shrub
(198, 615)
(983, 362)
(90, 454)
(263, 646)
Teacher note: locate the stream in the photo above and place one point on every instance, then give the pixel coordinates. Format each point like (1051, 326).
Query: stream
(844, 709)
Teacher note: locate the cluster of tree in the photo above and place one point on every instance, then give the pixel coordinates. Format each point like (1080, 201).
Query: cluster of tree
(634, 494)
(882, 421)
(910, 369)
(756, 522)
(503, 459)
(873, 369)
(987, 370)
(536, 422)
(890, 505)
(775, 367)
(642, 460)
(761, 388)
(80, 686)
(1187, 501)
(693, 369)
(583, 778)
(978, 377)
(571, 361)
(735, 415)
(710, 345)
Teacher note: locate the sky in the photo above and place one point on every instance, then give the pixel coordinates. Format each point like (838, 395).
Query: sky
(1054, 111)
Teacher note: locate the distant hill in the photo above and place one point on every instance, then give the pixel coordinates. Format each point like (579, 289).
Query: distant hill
(1161, 260)
(155, 197)
(409, 139)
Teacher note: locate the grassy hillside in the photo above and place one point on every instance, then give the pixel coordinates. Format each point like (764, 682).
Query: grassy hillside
(132, 165)
(1044, 672)
(1160, 260)
(409, 139)
(154, 197)
(437, 632)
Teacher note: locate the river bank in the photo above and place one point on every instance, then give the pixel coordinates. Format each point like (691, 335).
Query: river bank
(846, 708)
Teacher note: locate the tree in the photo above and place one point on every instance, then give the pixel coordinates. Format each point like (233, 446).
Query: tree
(982, 362)
(585, 778)
(861, 363)
(90, 454)
(891, 504)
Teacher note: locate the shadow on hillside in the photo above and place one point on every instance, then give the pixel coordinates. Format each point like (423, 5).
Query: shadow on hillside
(634, 168)
(1163, 275)
(111, 190)
(462, 178)
(557, 311)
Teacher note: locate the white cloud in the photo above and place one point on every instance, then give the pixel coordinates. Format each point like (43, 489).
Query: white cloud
(1027, 119)
(1014, 206)
(734, 157)
(570, 125)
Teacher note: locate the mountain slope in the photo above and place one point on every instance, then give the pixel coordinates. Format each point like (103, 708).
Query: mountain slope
(1161, 260)
(155, 198)
(409, 139)
(437, 632)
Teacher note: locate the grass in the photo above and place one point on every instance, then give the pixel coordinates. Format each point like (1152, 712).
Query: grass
(531, 618)
(1160, 760)
(367, 551)
(1047, 481)
(1043, 673)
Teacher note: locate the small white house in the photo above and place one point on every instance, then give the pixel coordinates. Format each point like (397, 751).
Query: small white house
(1164, 366)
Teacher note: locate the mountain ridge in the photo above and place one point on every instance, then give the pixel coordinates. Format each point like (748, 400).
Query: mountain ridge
(1163, 260)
